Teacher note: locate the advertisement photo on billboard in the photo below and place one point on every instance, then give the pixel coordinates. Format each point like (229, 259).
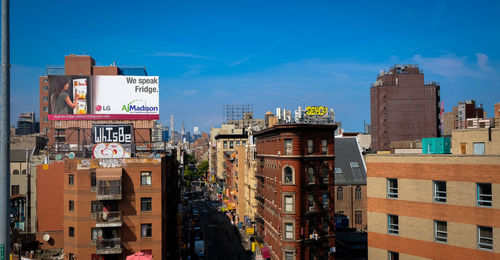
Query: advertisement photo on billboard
(104, 98)
(69, 95)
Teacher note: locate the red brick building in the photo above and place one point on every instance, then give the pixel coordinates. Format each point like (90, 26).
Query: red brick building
(295, 190)
(403, 107)
(109, 208)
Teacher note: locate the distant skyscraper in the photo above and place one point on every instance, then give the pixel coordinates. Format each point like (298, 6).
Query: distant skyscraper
(172, 127)
(403, 106)
(196, 130)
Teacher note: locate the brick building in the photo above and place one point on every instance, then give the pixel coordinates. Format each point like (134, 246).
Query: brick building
(350, 182)
(295, 190)
(67, 133)
(109, 208)
(433, 206)
(403, 107)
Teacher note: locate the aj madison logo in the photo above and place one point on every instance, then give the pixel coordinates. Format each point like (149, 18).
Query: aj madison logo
(134, 108)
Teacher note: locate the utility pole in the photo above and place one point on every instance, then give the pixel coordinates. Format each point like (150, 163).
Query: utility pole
(5, 136)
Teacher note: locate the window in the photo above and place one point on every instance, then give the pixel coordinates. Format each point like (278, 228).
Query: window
(237, 142)
(71, 231)
(288, 175)
(231, 144)
(439, 191)
(392, 188)
(485, 237)
(289, 255)
(14, 190)
(310, 202)
(288, 147)
(244, 143)
(358, 217)
(324, 146)
(95, 233)
(147, 230)
(23, 171)
(288, 203)
(95, 206)
(392, 255)
(71, 179)
(93, 180)
(324, 173)
(478, 148)
(45, 109)
(440, 231)
(71, 256)
(338, 170)
(393, 224)
(147, 251)
(310, 175)
(146, 204)
(145, 178)
(354, 164)
(45, 80)
(484, 195)
(340, 193)
(45, 88)
(357, 194)
(45, 119)
(325, 200)
(288, 230)
(71, 205)
(47, 130)
(224, 144)
(45, 99)
(310, 144)
(16, 172)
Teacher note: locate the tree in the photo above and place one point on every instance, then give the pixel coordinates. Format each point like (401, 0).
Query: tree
(202, 168)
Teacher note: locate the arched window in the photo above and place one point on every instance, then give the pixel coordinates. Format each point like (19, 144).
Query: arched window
(24, 171)
(340, 193)
(324, 173)
(288, 175)
(358, 193)
(310, 175)
(15, 172)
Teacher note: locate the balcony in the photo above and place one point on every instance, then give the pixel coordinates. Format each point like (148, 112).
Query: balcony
(109, 219)
(109, 190)
(108, 246)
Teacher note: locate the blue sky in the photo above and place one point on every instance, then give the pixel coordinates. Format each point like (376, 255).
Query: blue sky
(264, 53)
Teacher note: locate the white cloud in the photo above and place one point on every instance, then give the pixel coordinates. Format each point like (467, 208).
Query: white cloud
(482, 62)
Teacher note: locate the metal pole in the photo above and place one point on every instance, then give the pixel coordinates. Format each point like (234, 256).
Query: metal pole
(5, 136)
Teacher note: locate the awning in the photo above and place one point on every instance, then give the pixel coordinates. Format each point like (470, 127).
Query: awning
(139, 256)
(109, 173)
(265, 252)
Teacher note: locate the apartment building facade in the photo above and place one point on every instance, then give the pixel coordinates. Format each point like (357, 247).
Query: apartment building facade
(109, 208)
(433, 206)
(403, 107)
(295, 190)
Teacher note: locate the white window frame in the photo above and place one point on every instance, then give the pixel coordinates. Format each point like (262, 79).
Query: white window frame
(324, 146)
(439, 196)
(286, 204)
(293, 175)
(482, 245)
(288, 147)
(288, 234)
(392, 192)
(149, 176)
(440, 235)
(354, 164)
(392, 229)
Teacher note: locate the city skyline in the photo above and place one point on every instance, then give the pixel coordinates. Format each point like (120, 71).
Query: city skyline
(281, 54)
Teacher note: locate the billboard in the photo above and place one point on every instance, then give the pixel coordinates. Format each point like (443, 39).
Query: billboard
(104, 98)
(112, 140)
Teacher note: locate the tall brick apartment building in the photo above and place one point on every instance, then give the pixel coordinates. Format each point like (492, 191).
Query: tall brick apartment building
(295, 190)
(109, 208)
(72, 132)
(403, 107)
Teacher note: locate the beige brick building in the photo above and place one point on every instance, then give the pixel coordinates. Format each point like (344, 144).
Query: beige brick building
(433, 206)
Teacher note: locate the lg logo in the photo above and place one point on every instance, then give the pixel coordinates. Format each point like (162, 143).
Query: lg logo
(98, 108)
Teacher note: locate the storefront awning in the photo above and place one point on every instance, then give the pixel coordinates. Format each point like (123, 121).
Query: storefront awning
(109, 173)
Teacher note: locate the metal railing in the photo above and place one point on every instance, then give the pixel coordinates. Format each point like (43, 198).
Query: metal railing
(109, 189)
(109, 218)
(109, 244)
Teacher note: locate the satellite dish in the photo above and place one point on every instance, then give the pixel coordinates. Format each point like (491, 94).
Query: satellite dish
(46, 237)
(71, 155)
(58, 157)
